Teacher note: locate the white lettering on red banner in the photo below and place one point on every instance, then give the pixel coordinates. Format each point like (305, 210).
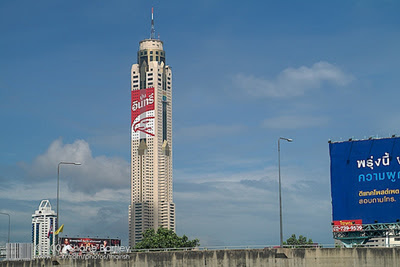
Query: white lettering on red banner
(142, 113)
(347, 225)
(347, 228)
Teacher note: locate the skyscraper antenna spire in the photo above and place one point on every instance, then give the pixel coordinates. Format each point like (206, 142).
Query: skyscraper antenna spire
(153, 31)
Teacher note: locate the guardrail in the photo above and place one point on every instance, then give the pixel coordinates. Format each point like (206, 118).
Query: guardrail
(205, 248)
(234, 247)
(309, 246)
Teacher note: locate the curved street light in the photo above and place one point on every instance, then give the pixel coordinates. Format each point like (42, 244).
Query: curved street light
(280, 192)
(58, 185)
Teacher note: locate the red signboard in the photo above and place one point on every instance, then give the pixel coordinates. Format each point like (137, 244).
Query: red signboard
(85, 245)
(347, 226)
(142, 112)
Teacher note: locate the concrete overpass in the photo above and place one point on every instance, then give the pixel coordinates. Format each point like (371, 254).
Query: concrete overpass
(275, 257)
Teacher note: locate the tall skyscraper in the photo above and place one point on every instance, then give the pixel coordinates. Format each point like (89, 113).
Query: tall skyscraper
(43, 224)
(151, 141)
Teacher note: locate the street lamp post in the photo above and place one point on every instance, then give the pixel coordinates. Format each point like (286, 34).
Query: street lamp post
(9, 225)
(280, 192)
(58, 186)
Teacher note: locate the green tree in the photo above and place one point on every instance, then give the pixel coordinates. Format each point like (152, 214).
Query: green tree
(300, 242)
(165, 238)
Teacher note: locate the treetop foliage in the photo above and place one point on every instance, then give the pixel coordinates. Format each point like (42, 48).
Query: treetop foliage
(301, 241)
(165, 238)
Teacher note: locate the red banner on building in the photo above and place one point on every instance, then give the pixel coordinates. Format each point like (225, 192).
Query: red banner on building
(142, 112)
(142, 101)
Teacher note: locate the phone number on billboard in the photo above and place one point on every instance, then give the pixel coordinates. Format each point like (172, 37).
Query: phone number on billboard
(347, 228)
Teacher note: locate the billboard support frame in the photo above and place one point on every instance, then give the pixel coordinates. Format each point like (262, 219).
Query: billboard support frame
(368, 231)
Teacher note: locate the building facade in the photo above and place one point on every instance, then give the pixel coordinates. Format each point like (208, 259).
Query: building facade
(151, 141)
(44, 221)
(19, 251)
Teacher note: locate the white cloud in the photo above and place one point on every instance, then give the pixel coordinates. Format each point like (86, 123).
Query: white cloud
(94, 175)
(101, 183)
(293, 122)
(47, 190)
(293, 82)
(225, 203)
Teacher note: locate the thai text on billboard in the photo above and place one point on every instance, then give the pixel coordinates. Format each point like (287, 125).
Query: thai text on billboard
(142, 113)
(365, 181)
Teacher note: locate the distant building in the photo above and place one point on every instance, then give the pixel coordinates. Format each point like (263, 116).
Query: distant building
(151, 138)
(390, 241)
(19, 251)
(44, 221)
(2, 252)
(383, 241)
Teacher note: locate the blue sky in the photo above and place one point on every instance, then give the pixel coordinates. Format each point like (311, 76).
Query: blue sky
(244, 74)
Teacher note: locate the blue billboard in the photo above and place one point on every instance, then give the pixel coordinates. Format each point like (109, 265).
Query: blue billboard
(365, 181)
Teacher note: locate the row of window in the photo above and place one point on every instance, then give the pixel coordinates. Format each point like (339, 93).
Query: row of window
(143, 53)
(149, 84)
(150, 74)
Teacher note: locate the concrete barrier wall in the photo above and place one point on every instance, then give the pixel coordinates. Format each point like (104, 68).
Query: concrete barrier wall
(337, 257)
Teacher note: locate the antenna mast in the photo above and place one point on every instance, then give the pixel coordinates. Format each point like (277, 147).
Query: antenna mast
(152, 33)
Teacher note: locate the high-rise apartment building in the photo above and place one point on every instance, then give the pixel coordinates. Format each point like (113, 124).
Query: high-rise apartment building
(151, 141)
(44, 221)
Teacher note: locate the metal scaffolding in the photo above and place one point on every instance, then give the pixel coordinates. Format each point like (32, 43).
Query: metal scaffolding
(368, 231)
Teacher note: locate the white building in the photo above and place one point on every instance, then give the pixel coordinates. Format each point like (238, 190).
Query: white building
(383, 241)
(389, 241)
(151, 141)
(19, 251)
(44, 222)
